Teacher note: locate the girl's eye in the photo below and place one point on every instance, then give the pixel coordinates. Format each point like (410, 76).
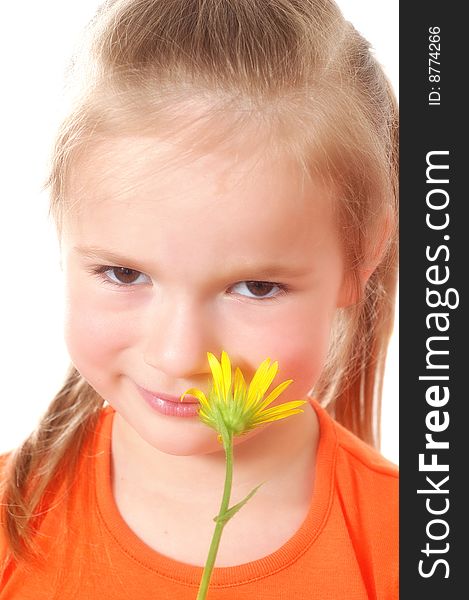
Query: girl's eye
(259, 289)
(126, 277)
(121, 276)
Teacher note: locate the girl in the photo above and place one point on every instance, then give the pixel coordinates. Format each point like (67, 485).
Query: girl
(225, 180)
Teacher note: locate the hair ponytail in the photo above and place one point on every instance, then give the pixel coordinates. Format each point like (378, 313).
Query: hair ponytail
(53, 448)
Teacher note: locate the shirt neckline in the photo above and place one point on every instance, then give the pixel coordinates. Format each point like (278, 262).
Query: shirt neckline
(170, 568)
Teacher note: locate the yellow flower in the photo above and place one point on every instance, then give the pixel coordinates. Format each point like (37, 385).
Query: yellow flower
(234, 407)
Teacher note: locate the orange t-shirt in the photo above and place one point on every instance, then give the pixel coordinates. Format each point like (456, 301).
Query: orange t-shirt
(346, 549)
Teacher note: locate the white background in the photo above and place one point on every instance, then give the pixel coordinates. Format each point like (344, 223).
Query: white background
(36, 42)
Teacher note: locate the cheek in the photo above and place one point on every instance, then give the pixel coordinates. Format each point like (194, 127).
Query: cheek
(302, 356)
(299, 343)
(95, 332)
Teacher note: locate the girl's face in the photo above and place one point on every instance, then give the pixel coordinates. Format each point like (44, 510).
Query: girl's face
(166, 260)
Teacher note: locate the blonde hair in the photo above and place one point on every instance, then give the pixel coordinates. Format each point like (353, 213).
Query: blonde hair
(293, 71)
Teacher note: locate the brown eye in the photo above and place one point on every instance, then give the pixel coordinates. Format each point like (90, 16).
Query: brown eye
(121, 277)
(124, 275)
(258, 289)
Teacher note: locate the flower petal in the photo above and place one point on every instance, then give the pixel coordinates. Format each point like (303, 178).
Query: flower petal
(269, 377)
(217, 374)
(263, 377)
(281, 409)
(260, 373)
(274, 394)
(239, 387)
(289, 413)
(226, 374)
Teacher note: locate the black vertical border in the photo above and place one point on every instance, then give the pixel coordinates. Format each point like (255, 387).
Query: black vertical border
(426, 128)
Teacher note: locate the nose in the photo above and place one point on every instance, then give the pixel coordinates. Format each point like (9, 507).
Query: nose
(179, 335)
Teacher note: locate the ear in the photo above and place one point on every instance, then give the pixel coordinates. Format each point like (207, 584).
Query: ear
(354, 283)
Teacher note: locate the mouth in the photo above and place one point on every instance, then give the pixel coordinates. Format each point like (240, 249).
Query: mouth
(169, 398)
(169, 405)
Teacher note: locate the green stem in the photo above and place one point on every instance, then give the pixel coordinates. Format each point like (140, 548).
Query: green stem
(212, 553)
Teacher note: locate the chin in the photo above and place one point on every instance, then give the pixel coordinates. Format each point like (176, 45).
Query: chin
(189, 443)
(193, 443)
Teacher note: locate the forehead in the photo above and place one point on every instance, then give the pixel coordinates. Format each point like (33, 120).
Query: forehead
(150, 189)
(142, 168)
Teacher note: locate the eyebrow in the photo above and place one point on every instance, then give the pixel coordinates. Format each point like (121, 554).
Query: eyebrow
(97, 253)
(238, 272)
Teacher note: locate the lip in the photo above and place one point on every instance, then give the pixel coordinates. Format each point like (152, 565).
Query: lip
(168, 405)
